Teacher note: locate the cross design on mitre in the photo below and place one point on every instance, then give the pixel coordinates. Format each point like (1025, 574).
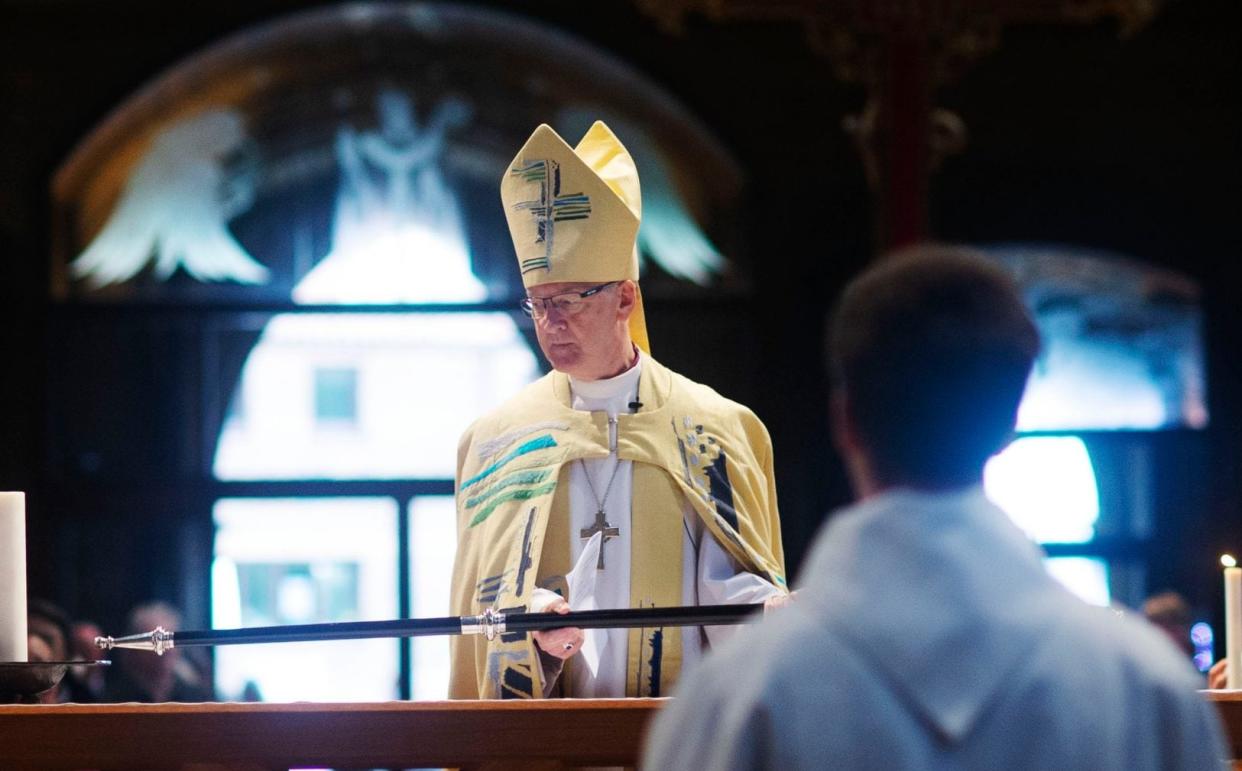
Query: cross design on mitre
(600, 526)
(549, 208)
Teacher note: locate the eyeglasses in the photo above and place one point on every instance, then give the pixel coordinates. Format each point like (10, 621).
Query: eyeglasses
(566, 303)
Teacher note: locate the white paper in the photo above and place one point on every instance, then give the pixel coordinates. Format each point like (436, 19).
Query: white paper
(13, 577)
(581, 582)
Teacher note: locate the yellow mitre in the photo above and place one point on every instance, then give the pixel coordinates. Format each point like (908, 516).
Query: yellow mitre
(573, 212)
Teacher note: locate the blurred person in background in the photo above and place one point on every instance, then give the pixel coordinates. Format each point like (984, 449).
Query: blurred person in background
(142, 676)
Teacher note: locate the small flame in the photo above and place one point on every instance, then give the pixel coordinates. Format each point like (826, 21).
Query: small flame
(1228, 561)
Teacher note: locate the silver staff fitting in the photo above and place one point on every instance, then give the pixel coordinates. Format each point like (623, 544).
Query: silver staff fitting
(489, 623)
(158, 640)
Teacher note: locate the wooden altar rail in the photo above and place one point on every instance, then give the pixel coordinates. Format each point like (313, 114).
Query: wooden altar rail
(478, 734)
(475, 735)
(1230, 705)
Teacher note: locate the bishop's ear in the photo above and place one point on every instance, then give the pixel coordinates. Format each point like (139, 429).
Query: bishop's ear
(626, 294)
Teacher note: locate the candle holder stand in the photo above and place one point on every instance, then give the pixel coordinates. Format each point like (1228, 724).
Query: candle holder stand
(21, 682)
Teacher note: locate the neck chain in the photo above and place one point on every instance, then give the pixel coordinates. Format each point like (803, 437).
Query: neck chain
(601, 524)
(600, 502)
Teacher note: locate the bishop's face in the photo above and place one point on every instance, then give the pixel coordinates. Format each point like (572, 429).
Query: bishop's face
(586, 337)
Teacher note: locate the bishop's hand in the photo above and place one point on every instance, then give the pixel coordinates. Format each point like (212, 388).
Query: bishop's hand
(779, 601)
(561, 643)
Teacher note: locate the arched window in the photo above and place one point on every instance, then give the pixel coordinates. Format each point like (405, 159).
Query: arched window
(1122, 357)
(313, 206)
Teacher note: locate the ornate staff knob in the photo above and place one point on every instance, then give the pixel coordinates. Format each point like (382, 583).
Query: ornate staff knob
(158, 640)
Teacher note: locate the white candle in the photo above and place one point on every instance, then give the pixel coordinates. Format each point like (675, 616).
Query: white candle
(1233, 626)
(12, 577)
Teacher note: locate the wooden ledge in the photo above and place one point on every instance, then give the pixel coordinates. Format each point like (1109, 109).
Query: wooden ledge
(544, 734)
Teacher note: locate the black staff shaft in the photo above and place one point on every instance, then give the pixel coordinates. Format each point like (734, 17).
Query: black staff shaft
(343, 630)
(490, 623)
(629, 618)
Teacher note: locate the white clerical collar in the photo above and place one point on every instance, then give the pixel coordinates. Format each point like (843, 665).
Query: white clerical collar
(609, 389)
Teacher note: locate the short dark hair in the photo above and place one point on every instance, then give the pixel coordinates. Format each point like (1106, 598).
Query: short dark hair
(932, 347)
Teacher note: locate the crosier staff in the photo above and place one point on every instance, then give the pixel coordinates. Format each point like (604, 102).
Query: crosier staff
(489, 623)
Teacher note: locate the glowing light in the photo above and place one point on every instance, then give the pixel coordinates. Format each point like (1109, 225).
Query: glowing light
(1082, 386)
(1201, 634)
(1228, 561)
(1047, 486)
(1086, 577)
(1202, 638)
(407, 264)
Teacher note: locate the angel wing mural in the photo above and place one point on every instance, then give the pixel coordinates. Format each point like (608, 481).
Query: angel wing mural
(174, 210)
(669, 234)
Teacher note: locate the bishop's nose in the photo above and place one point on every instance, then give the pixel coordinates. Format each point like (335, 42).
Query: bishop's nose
(553, 318)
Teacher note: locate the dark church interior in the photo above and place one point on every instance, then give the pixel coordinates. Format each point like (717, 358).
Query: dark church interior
(1091, 147)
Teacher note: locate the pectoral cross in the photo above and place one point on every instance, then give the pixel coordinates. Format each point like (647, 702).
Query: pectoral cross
(601, 526)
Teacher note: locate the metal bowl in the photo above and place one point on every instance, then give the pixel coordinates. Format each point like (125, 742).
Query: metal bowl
(21, 681)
